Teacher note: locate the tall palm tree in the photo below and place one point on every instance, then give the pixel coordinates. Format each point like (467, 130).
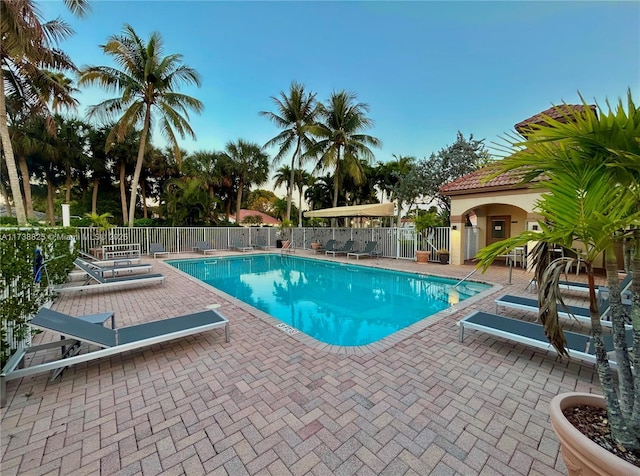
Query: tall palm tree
(250, 165)
(27, 49)
(295, 114)
(340, 142)
(146, 82)
(591, 167)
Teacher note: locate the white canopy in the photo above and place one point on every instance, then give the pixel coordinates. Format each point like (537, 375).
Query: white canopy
(373, 210)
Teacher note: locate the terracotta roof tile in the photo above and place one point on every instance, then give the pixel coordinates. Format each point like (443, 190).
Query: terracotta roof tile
(475, 181)
(266, 219)
(556, 112)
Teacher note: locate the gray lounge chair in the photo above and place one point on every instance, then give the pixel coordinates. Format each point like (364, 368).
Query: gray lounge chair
(581, 314)
(111, 341)
(368, 251)
(579, 346)
(584, 287)
(204, 247)
(113, 270)
(239, 246)
(261, 243)
(156, 249)
(348, 246)
(102, 282)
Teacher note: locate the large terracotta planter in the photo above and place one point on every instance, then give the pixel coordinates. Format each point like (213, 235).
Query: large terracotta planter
(581, 456)
(423, 256)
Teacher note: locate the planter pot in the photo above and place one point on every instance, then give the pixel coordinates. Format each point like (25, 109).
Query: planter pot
(444, 258)
(582, 456)
(286, 244)
(423, 256)
(278, 243)
(316, 246)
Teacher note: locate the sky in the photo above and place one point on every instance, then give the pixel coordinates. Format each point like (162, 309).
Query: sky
(426, 69)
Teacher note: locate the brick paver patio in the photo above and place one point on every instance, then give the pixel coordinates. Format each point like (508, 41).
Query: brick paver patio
(269, 403)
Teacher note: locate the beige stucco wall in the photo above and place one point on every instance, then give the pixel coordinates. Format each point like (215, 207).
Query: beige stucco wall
(519, 204)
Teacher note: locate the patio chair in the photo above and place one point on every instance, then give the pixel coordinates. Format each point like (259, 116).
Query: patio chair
(204, 247)
(261, 243)
(579, 346)
(329, 246)
(156, 249)
(368, 250)
(581, 314)
(584, 287)
(113, 270)
(110, 341)
(239, 246)
(348, 246)
(109, 283)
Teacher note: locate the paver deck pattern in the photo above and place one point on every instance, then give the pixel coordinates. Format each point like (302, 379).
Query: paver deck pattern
(268, 403)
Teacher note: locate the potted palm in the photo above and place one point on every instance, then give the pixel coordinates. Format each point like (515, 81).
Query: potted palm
(590, 167)
(424, 222)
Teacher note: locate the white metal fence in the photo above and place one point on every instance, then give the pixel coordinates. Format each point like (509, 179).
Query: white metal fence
(399, 243)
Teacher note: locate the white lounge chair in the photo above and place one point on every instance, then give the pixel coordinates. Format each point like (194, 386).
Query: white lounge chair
(110, 341)
(113, 270)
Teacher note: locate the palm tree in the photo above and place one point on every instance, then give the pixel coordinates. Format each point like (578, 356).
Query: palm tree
(250, 166)
(26, 51)
(146, 81)
(341, 143)
(591, 166)
(296, 113)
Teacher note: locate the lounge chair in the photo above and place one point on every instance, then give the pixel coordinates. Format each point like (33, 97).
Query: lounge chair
(107, 262)
(579, 346)
(584, 287)
(239, 246)
(348, 246)
(102, 282)
(261, 243)
(368, 250)
(581, 314)
(111, 341)
(204, 247)
(156, 249)
(113, 270)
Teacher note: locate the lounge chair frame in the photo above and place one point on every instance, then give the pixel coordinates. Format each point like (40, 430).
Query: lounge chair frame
(204, 248)
(579, 346)
(111, 341)
(156, 249)
(348, 246)
(369, 250)
(112, 270)
(239, 246)
(103, 282)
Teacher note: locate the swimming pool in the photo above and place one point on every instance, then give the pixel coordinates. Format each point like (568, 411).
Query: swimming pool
(335, 303)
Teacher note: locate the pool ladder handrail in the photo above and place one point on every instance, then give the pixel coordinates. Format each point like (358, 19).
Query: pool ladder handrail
(465, 278)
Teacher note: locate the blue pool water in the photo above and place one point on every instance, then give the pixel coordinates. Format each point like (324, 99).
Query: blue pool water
(332, 302)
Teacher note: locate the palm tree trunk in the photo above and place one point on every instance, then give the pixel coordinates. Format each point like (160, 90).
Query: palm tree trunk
(292, 178)
(239, 201)
(139, 162)
(336, 186)
(12, 171)
(26, 185)
(7, 202)
(123, 191)
(67, 184)
(143, 190)
(94, 195)
(51, 217)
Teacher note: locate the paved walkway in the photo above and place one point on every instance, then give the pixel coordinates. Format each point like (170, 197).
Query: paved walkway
(268, 403)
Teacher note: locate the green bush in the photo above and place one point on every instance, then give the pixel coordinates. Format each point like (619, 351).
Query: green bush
(144, 222)
(21, 295)
(8, 221)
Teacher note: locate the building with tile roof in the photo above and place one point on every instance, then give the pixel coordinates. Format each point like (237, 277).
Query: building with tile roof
(501, 206)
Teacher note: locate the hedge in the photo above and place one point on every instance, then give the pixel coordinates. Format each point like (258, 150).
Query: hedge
(21, 295)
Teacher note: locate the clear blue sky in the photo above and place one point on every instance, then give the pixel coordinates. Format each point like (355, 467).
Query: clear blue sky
(426, 69)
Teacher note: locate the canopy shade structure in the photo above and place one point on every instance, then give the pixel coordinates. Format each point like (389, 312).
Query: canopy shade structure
(373, 210)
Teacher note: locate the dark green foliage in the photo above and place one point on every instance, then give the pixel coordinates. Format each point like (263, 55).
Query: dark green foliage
(8, 221)
(21, 295)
